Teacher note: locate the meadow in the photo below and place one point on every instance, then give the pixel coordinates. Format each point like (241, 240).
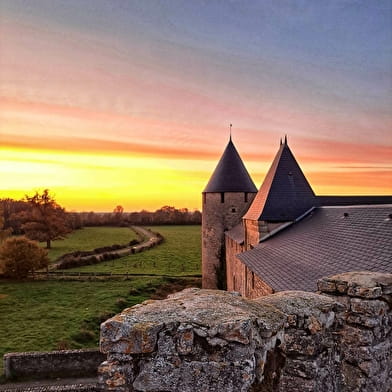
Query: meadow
(49, 315)
(179, 254)
(90, 238)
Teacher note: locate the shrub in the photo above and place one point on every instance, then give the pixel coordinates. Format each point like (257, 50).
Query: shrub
(104, 316)
(19, 256)
(121, 303)
(134, 292)
(84, 336)
(63, 345)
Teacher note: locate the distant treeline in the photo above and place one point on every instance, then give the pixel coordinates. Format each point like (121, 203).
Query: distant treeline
(166, 215)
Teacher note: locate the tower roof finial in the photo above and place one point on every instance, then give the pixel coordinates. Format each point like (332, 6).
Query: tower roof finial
(280, 141)
(285, 140)
(230, 130)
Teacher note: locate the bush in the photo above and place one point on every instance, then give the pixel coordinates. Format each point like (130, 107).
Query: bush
(121, 303)
(63, 345)
(19, 256)
(84, 336)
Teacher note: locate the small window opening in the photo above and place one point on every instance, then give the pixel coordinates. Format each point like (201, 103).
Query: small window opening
(233, 209)
(246, 197)
(253, 280)
(222, 197)
(345, 214)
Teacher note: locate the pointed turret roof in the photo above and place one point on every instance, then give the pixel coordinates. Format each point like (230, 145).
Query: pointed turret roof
(230, 175)
(285, 193)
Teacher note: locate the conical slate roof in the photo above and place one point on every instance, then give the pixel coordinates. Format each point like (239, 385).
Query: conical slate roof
(230, 175)
(285, 193)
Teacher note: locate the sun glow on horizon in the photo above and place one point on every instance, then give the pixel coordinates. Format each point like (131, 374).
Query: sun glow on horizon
(96, 181)
(108, 104)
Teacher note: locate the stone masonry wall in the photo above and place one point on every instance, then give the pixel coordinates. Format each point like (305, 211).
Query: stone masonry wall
(239, 277)
(52, 364)
(208, 340)
(365, 336)
(255, 230)
(217, 217)
(234, 268)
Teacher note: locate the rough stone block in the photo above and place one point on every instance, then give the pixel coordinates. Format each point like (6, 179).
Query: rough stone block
(205, 340)
(296, 384)
(369, 307)
(356, 336)
(301, 368)
(363, 284)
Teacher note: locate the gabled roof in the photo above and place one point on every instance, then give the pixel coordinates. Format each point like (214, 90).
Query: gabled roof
(328, 241)
(230, 174)
(285, 193)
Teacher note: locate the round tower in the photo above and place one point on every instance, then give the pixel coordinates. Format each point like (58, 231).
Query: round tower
(226, 198)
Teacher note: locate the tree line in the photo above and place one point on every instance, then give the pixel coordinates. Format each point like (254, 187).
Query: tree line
(166, 215)
(16, 213)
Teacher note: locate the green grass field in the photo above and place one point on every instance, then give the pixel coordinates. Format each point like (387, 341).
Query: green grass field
(90, 238)
(179, 254)
(48, 315)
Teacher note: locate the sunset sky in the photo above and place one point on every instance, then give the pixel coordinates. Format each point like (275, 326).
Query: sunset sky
(109, 102)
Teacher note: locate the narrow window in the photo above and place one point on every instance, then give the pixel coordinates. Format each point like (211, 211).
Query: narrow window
(253, 280)
(246, 197)
(233, 282)
(222, 197)
(233, 209)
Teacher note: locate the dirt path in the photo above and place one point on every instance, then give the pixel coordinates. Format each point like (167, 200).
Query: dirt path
(151, 239)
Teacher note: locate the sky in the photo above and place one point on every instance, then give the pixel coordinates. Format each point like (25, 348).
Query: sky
(109, 102)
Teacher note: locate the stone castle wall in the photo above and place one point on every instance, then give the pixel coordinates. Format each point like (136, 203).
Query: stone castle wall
(208, 340)
(239, 277)
(217, 217)
(256, 230)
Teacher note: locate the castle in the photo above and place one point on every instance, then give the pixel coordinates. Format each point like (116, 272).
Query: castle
(284, 237)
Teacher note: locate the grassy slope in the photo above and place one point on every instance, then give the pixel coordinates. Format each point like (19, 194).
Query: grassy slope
(46, 315)
(180, 254)
(90, 238)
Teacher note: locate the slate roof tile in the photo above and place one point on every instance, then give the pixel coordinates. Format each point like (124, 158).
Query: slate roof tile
(230, 175)
(285, 193)
(324, 243)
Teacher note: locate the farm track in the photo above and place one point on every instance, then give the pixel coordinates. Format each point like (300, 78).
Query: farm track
(150, 240)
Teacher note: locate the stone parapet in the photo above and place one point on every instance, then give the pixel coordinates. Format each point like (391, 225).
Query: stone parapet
(365, 336)
(208, 340)
(52, 364)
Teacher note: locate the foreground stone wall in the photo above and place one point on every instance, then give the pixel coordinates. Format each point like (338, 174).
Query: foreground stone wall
(52, 364)
(365, 337)
(207, 340)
